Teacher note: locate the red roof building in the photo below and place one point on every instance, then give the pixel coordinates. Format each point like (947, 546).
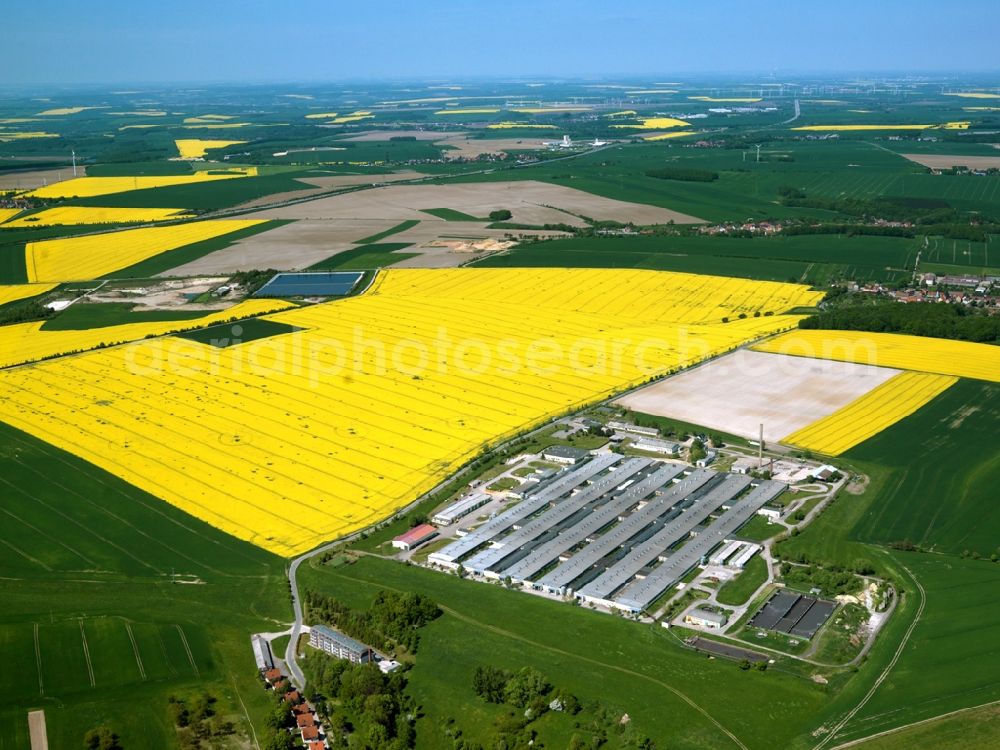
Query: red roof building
(302, 708)
(305, 720)
(272, 675)
(317, 746)
(292, 696)
(310, 734)
(415, 537)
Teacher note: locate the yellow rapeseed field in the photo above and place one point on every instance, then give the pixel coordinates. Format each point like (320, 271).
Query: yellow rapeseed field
(15, 292)
(961, 125)
(194, 148)
(321, 115)
(94, 215)
(656, 123)
(645, 92)
(962, 359)
(25, 135)
(30, 342)
(665, 136)
(509, 125)
(867, 416)
(292, 440)
(87, 187)
(94, 255)
(59, 111)
(7, 213)
(361, 114)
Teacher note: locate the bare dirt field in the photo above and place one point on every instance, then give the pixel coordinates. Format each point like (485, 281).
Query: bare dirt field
(35, 179)
(946, 161)
(470, 148)
(303, 243)
(530, 202)
(738, 392)
(323, 184)
(461, 142)
(167, 295)
(331, 224)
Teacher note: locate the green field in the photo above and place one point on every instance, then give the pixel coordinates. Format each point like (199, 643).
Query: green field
(812, 259)
(450, 214)
(373, 255)
(741, 588)
(81, 317)
(80, 547)
(400, 227)
(946, 501)
(949, 661)
(628, 667)
(969, 730)
(234, 334)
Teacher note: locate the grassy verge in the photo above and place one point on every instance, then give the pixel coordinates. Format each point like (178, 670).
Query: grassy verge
(741, 588)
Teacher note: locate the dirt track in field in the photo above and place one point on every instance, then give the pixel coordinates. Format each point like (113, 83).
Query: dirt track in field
(738, 392)
(37, 730)
(947, 161)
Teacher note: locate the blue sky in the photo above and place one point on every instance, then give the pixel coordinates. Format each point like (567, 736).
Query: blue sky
(113, 41)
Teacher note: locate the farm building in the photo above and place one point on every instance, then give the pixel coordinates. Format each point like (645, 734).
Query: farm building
(415, 537)
(615, 531)
(339, 645)
(744, 465)
(460, 508)
(262, 653)
(743, 557)
(705, 460)
(652, 445)
(705, 619)
(634, 428)
(769, 512)
(564, 454)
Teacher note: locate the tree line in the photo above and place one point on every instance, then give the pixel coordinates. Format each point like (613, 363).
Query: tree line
(391, 621)
(937, 320)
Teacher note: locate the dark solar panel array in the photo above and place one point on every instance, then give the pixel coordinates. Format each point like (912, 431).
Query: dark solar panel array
(332, 284)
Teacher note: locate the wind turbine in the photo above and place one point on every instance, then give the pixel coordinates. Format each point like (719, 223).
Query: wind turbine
(757, 145)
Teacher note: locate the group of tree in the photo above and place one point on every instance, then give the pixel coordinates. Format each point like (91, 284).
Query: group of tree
(393, 619)
(937, 320)
(361, 705)
(196, 721)
(932, 215)
(101, 738)
(24, 312)
(684, 174)
(251, 281)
